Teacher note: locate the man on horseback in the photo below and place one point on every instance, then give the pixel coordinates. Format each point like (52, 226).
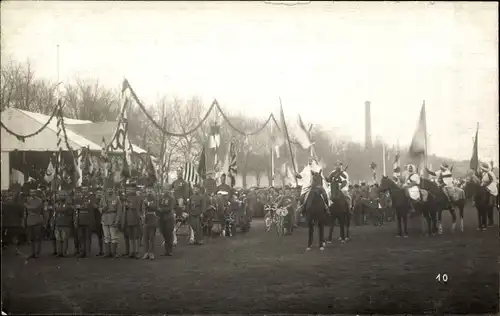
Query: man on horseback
(412, 183)
(445, 180)
(340, 175)
(306, 177)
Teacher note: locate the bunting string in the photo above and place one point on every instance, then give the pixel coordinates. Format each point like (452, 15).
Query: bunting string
(22, 138)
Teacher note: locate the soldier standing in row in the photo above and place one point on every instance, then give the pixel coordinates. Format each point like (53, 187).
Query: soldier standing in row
(181, 192)
(197, 205)
(166, 214)
(63, 221)
(110, 217)
(150, 225)
(84, 221)
(98, 197)
(131, 221)
(34, 221)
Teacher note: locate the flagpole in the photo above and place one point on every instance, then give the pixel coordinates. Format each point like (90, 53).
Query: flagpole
(425, 138)
(312, 145)
(272, 160)
(289, 144)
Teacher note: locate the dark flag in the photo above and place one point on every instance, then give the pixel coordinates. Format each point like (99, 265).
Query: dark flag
(202, 167)
(474, 160)
(418, 142)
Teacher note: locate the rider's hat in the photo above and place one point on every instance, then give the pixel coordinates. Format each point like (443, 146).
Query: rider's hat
(485, 166)
(444, 165)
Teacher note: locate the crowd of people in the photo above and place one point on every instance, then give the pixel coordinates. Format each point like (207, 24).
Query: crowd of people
(134, 213)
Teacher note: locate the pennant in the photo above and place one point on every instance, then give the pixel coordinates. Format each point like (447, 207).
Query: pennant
(50, 172)
(418, 143)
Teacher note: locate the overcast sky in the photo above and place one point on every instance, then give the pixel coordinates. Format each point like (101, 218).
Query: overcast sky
(324, 60)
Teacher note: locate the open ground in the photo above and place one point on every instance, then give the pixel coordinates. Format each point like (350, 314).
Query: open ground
(259, 272)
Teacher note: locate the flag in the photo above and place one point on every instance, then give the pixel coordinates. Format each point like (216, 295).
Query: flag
(474, 160)
(301, 134)
(189, 173)
(277, 140)
(120, 140)
(233, 167)
(214, 140)
(50, 172)
(418, 142)
(78, 167)
(202, 166)
(396, 170)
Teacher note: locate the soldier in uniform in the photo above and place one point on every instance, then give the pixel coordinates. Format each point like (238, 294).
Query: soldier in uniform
(34, 221)
(166, 215)
(196, 207)
(84, 221)
(223, 186)
(98, 197)
(285, 200)
(131, 219)
(63, 221)
(12, 217)
(181, 193)
(110, 217)
(150, 225)
(210, 184)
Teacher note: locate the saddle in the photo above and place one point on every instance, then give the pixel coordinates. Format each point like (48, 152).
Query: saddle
(417, 194)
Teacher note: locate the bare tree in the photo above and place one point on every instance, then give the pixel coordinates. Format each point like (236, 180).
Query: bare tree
(88, 100)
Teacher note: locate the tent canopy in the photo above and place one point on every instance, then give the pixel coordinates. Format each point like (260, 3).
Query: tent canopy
(24, 122)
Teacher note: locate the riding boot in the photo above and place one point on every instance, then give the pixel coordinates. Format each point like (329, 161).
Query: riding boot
(127, 247)
(54, 247)
(65, 248)
(132, 248)
(113, 250)
(101, 247)
(60, 249)
(33, 249)
(107, 250)
(38, 248)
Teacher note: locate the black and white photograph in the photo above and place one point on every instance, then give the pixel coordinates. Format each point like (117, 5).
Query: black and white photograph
(249, 157)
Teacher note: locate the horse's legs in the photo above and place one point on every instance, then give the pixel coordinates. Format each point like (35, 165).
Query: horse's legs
(491, 221)
(453, 217)
(405, 222)
(399, 218)
(321, 233)
(342, 218)
(461, 206)
(331, 218)
(348, 224)
(311, 232)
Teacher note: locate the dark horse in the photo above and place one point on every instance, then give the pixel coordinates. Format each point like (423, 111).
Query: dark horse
(315, 210)
(482, 200)
(457, 197)
(400, 203)
(427, 207)
(339, 210)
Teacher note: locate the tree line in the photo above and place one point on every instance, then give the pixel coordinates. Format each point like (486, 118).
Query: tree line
(88, 99)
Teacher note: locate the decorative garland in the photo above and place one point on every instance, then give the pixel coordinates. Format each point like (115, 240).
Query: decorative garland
(23, 137)
(215, 104)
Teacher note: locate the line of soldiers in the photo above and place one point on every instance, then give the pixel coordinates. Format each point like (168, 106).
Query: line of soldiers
(134, 213)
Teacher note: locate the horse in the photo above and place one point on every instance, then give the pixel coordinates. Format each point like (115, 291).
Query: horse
(316, 211)
(339, 210)
(482, 200)
(457, 197)
(400, 203)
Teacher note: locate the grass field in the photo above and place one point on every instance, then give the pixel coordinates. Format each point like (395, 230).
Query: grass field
(259, 272)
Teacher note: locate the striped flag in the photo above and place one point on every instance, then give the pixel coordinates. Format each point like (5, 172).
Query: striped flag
(190, 174)
(396, 170)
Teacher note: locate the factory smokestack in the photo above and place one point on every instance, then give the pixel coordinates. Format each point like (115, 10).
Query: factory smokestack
(368, 126)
